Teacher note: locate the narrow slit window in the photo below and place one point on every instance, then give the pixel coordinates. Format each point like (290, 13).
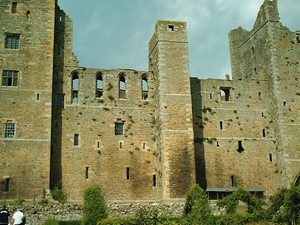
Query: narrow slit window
(232, 181)
(144, 146)
(252, 50)
(218, 144)
(270, 157)
(121, 145)
(76, 139)
(210, 96)
(7, 184)
(221, 125)
(86, 173)
(263, 132)
(38, 96)
(284, 103)
(262, 114)
(154, 180)
(128, 173)
(259, 95)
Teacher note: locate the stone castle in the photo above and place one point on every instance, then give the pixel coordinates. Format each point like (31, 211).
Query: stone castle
(145, 135)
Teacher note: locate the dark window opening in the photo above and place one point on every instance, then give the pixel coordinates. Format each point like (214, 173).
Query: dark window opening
(127, 173)
(37, 96)
(264, 132)
(171, 28)
(225, 93)
(154, 180)
(9, 130)
(144, 88)
(122, 87)
(119, 128)
(75, 88)
(298, 38)
(232, 181)
(262, 114)
(14, 8)
(221, 125)
(9, 78)
(60, 101)
(120, 145)
(99, 86)
(270, 157)
(12, 41)
(76, 139)
(27, 14)
(86, 173)
(284, 103)
(259, 95)
(218, 144)
(210, 96)
(144, 146)
(252, 50)
(7, 184)
(240, 147)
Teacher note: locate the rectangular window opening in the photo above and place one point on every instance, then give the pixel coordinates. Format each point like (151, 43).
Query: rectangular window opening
(9, 130)
(120, 145)
(232, 181)
(9, 78)
(86, 173)
(119, 128)
(221, 125)
(7, 184)
(144, 146)
(171, 28)
(154, 180)
(270, 157)
(76, 139)
(14, 8)
(264, 132)
(240, 147)
(225, 93)
(127, 173)
(12, 41)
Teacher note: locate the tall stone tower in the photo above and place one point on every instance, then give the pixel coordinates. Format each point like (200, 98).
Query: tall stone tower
(270, 53)
(168, 61)
(26, 69)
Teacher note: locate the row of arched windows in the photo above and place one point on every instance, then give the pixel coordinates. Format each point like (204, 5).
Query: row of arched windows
(99, 86)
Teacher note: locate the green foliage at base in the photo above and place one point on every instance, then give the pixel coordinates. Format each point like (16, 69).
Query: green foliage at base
(51, 221)
(94, 206)
(58, 194)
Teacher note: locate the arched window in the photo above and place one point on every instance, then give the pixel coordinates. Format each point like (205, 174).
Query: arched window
(144, 87)
(75, 88)
(122, 86)
(99, 85)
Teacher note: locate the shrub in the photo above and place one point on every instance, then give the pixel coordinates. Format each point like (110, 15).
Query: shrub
(19, 201)
(58, 194)
(197, 209)
(94, 206)
(70, 222)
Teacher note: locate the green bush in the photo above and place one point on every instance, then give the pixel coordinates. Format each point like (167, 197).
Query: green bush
(197, 209)
(111, 221)
(51, 221)
(19, 201)
(232, 219)
(58, 194)
(94, 206)
(70, 222)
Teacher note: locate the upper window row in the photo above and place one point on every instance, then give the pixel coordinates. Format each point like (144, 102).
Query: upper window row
(99, 87)
(12, 41)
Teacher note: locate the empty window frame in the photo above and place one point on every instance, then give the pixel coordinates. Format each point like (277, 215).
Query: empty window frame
(60, 101)
(119, 128)
(144, 87)
(9, 130)
(122, 86)
(9, 78)
(14, 7)
(99, 85)
(75, 88)
(76, 139)
(12, 41)
(225, 93)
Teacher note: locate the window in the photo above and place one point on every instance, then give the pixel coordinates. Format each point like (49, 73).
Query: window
(119, 128)
(154, 180)
(240, 147)
(7, 184)
(9, 78)
(12, 41)
(76, 139)
(263, 132)
(99, 86)
(221, 125)
(232, 181)
(75, 87)
(120, 145)
(60, 101)
(144, 87)
(225, 93)
(86, 173)
(270, 157)
(122, 86)
(9, 130)
(14, 8)
(171, 28)
(127, 173)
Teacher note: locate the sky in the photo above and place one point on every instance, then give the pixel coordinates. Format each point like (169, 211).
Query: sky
(111, 34)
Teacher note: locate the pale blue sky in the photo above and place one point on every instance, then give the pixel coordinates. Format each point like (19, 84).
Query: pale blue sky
(111, 34)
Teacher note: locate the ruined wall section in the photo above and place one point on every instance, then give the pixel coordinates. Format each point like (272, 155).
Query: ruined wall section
(168, 60)
(26, 103)
(235, 145)
(124, 166)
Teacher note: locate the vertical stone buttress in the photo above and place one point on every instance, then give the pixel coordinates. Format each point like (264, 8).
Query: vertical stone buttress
(270, 52)
(168, 61)
(25, 157)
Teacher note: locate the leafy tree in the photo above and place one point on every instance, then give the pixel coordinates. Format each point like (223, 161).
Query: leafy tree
(197, 209)
(94, 206)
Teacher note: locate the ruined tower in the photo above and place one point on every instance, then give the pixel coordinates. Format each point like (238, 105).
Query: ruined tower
(168, 61)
